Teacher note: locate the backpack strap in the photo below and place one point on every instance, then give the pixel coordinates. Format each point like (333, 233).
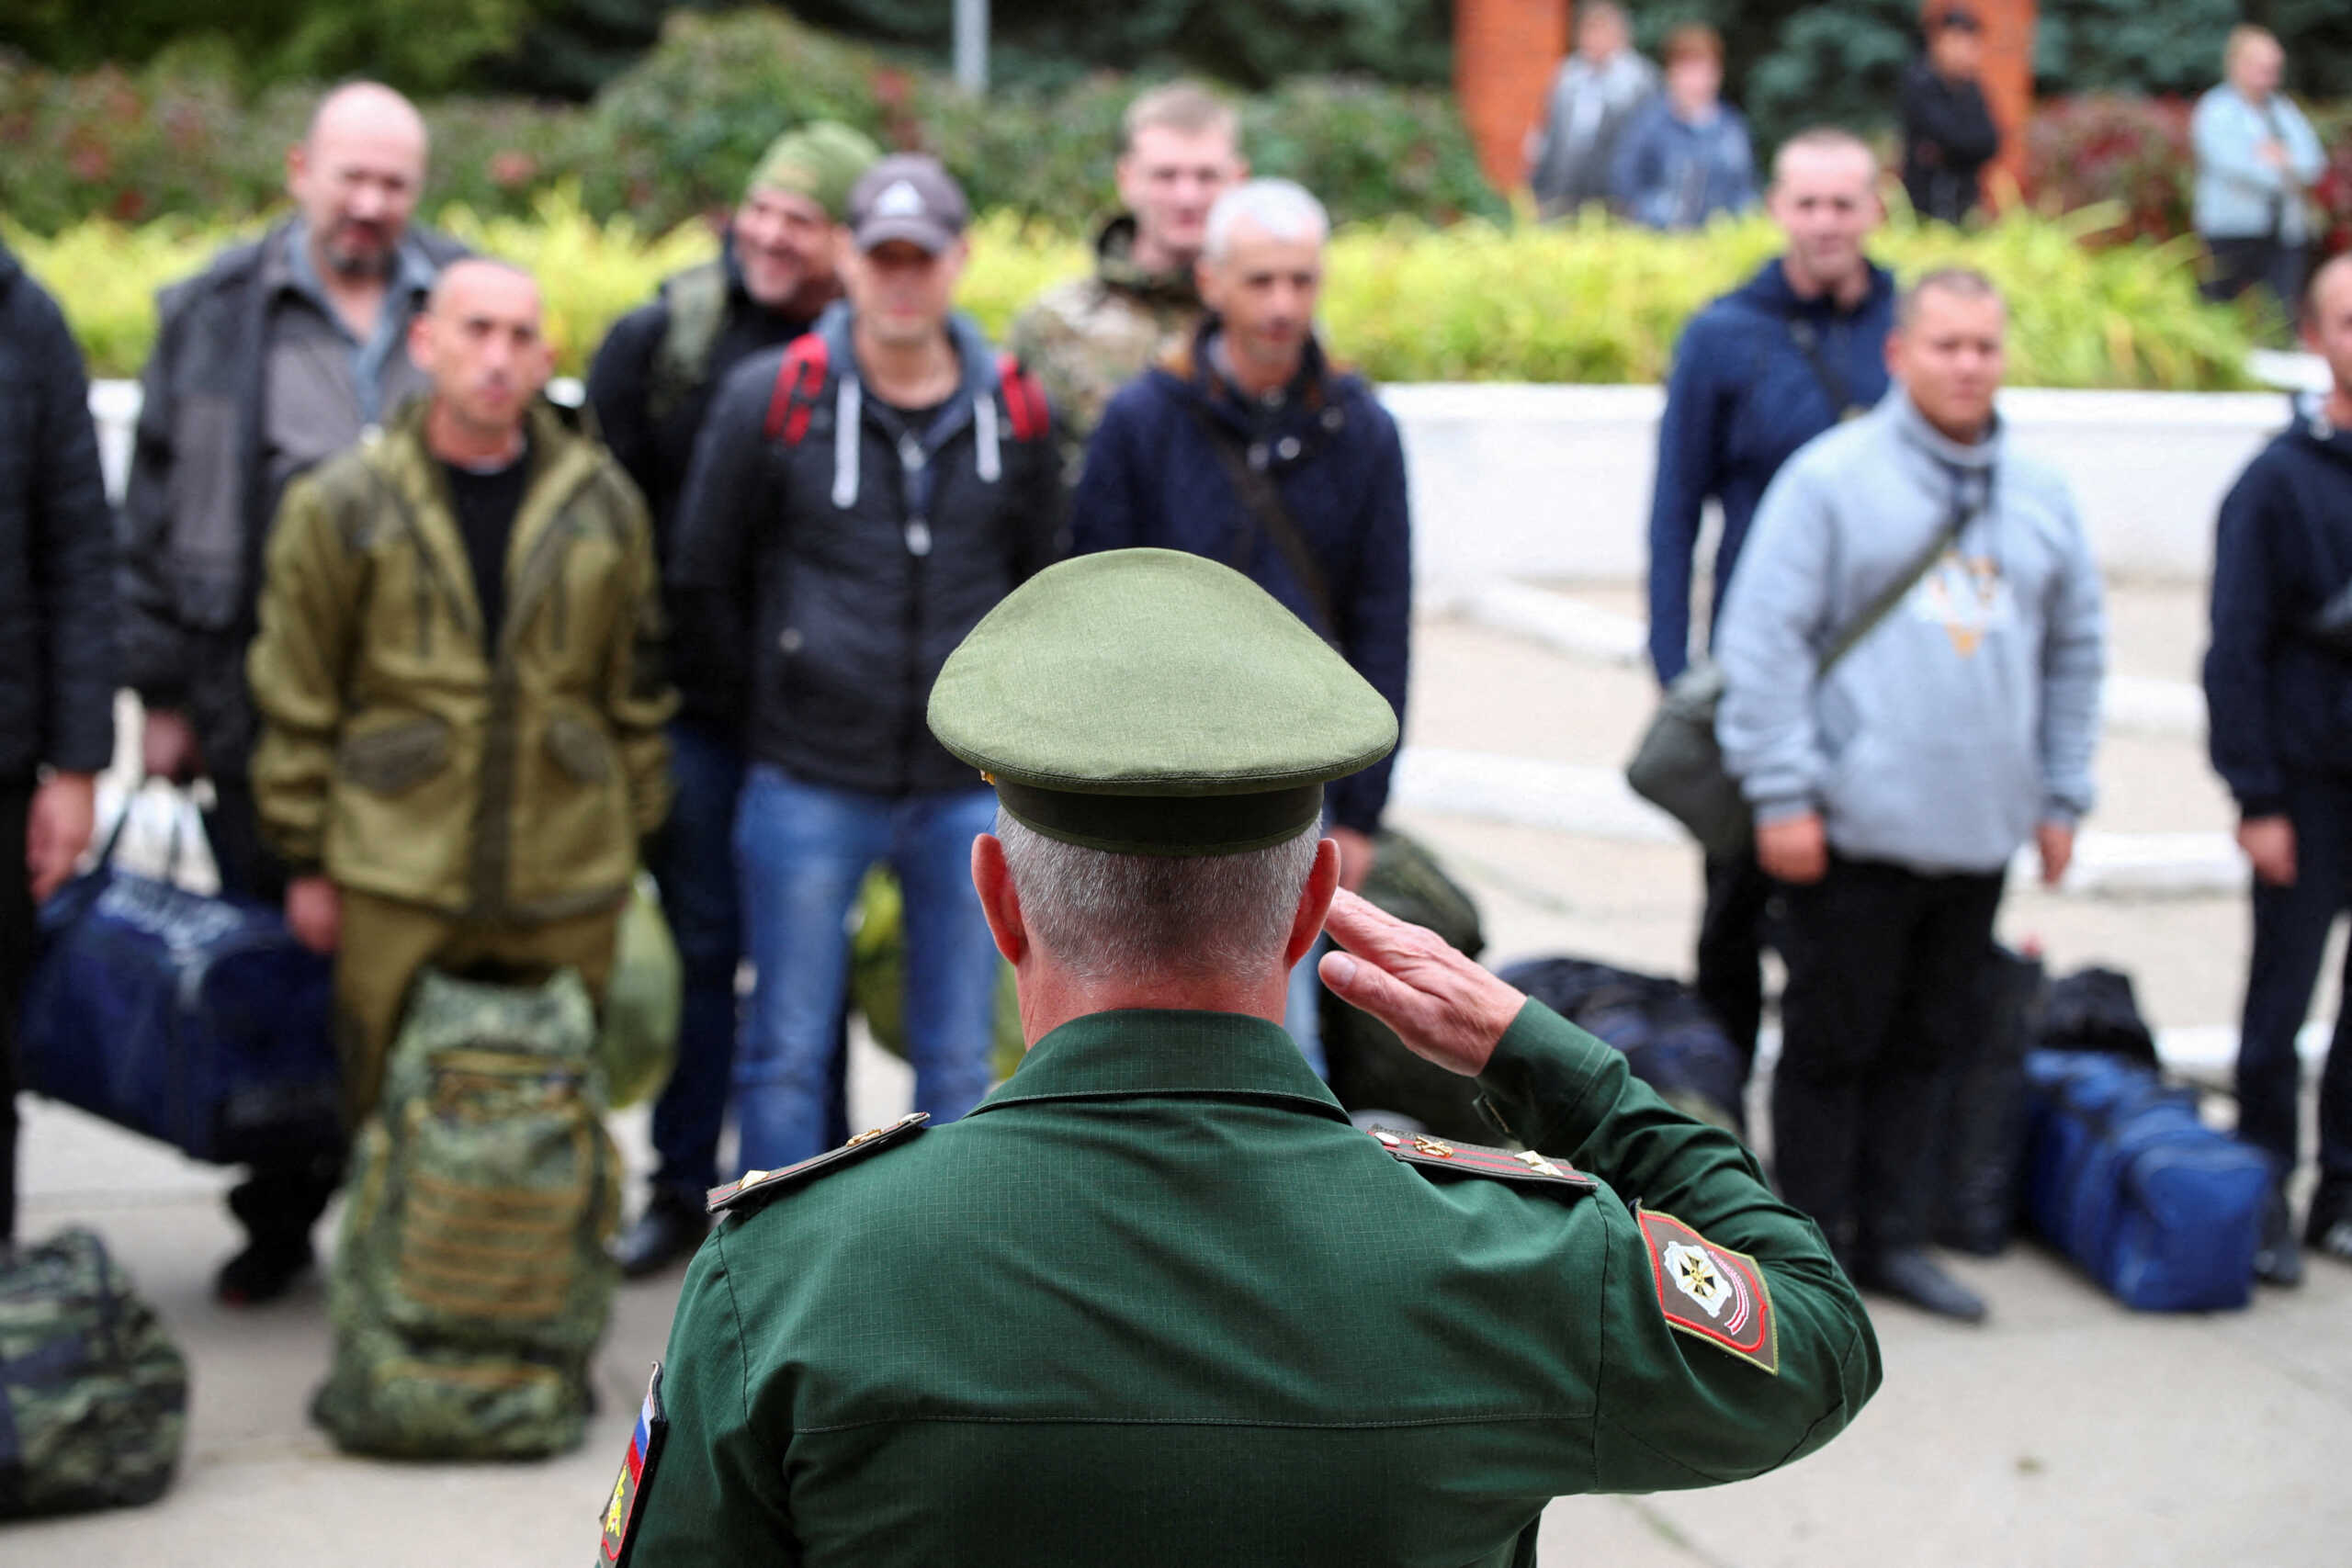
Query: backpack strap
(696, 303)
(799, 382)
(1025, 399)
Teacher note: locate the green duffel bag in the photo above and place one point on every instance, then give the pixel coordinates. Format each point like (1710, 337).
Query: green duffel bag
(93, 1392)
(637, 1046)
(470, 1283)
(1371, 1069)
(877, 977)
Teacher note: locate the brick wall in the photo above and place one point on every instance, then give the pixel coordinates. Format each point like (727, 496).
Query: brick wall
(1505, 54)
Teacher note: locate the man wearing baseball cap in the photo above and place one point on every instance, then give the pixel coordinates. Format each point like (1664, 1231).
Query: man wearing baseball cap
(650, 385)
(856, 503)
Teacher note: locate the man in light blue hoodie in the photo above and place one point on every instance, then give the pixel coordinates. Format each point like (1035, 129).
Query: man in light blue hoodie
(2256, 160)
(1892, 792)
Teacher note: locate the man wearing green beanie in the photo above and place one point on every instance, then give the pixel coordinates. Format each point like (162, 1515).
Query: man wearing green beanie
(650, 387)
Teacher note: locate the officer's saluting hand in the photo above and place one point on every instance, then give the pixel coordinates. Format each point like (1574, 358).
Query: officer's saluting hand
(1157, 1300)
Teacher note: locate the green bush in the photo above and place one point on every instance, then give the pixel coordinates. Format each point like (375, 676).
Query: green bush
(676, 136)
(1474, 302)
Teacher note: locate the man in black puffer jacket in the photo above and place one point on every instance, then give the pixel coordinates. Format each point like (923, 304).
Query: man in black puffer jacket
(56, 643)
(857, 501)
(2278, 702)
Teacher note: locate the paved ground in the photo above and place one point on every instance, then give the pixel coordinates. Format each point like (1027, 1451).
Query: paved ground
(2068, 1432)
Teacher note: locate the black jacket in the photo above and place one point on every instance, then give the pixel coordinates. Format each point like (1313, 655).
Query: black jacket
(56, 548)
(1947, 137)
(197, 510)
(2278, 702)
(816, 597)
(1153, 478)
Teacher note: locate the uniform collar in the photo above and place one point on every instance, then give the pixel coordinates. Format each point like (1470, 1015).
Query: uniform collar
(1150, 1052)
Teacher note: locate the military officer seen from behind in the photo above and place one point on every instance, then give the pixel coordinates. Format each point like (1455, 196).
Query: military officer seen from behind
(1157, 1301)
(459, 682)
(1179, 151)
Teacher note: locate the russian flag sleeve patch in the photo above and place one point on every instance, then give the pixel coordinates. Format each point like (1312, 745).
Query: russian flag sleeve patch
(1712, 1293)
(621, 1511)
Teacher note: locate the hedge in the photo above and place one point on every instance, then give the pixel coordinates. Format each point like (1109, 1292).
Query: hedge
(1407, 302)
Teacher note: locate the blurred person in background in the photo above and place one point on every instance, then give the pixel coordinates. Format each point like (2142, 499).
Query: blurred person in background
(57, 652)
(1248, 445)
(1948, 131)
(278, 355)
(2256, 161)
(1758, 373)
(1599, 86)
(2277, 685)
(1179, 151)
(1685, 157)
(458, 674)
(650, 385)
(1892, 792)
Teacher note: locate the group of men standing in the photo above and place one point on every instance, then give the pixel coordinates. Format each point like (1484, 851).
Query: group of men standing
(455, 664)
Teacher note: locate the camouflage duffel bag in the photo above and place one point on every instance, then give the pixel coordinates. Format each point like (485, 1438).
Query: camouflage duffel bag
(93, 1392)
(470, 1283)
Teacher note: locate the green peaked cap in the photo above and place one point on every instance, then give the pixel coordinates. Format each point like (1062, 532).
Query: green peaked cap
(1150, 702)
(821, 161)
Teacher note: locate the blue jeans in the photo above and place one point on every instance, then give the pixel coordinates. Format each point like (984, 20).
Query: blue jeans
(802, 850)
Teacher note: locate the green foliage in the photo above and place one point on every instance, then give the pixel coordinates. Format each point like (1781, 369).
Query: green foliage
(2130, 46)
(1476, 303)
(678, 134)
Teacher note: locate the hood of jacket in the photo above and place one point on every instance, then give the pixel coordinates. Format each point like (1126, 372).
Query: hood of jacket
(2312, 429)
(973, 403)
(1770, 292)
(1115, 267)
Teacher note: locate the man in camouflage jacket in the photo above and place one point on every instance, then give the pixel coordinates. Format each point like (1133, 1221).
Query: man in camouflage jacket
(459, 686)
(1087, 338)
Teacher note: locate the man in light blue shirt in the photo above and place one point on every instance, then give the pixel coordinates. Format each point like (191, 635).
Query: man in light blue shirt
(2256, 161)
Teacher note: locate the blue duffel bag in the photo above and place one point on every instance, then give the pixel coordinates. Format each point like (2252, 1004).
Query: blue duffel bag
(2123, 1177)
(196, 1020)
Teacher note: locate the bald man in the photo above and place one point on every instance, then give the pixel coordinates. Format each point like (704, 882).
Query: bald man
(275, 357)
(456, 668)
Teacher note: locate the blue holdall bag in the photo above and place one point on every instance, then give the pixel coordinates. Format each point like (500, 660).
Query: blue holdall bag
(193, 1019)
(2123, 1177)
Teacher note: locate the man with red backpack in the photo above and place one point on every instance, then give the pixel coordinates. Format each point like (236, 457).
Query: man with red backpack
(857, 501)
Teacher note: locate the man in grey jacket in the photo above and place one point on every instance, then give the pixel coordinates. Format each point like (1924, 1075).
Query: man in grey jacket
(281, 352)
(1891, 793)
(1598, 89)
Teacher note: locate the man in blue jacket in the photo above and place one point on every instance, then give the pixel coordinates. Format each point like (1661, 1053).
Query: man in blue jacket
(1757, 374)
(2277, 685)
(1892, 792)
(1248, 448)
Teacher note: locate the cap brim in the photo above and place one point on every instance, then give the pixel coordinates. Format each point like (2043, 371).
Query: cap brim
(927, 234)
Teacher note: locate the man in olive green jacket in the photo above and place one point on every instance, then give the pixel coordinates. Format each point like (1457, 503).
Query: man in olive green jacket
(1157, 1301)
(459, 682)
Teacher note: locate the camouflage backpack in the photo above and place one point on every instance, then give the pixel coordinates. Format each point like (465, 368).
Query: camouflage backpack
(470, 1283)
(93, 1394)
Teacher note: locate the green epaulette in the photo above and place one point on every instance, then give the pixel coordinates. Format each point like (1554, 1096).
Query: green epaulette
(1476, 1159)
(758, 1185)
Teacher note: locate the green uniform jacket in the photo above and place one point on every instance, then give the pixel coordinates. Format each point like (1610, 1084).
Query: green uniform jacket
(406, 759)
(1157, 1302)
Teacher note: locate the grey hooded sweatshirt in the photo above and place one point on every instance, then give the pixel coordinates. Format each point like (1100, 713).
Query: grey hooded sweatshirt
(1964, 718)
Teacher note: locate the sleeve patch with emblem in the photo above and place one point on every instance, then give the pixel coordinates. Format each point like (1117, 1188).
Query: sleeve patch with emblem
(1712, 1293)
(621, 1513)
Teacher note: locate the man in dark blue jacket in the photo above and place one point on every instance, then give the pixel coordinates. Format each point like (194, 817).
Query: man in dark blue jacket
(650, 385)
(56, 643)
(857, 501)
(2277, 688)
(1757, 374)
(1250, 449)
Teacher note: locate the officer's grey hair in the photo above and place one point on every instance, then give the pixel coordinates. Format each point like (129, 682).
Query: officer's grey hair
(1198, 916)
(1282, 208)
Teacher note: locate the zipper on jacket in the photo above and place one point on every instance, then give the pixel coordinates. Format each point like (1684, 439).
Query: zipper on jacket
(913, 480)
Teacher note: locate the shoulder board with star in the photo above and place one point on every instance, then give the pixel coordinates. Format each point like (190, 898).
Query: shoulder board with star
(758, 1185)
(1476, 1159)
